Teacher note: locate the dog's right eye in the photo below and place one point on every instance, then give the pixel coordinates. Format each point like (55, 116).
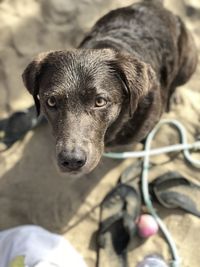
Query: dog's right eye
(51, 102)
(100, 102)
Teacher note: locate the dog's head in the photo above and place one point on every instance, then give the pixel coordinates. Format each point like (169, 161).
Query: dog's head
(82, 92)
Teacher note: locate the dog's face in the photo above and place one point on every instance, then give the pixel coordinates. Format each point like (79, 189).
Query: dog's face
(81, 92)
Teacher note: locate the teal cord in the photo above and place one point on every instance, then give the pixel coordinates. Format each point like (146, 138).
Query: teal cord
(157, 151)
(145, 191)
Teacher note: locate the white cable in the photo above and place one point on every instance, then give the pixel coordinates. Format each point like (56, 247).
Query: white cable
(145, 190)
(167, 149)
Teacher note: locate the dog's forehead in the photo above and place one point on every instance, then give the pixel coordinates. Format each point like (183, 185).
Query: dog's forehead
(76, 69)
(86, 60)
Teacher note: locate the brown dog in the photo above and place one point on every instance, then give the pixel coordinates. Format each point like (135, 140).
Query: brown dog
(113, 89)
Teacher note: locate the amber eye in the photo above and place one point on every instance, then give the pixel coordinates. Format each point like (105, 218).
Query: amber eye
(100, 102)
(51, 102)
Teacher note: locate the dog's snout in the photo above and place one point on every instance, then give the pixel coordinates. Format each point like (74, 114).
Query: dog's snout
(72, 161)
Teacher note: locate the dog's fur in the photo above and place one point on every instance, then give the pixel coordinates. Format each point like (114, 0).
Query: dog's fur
(113, 89)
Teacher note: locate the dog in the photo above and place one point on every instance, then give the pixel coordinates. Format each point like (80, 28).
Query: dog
(115, 86)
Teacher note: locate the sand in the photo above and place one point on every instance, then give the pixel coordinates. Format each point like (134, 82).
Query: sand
(32, 190)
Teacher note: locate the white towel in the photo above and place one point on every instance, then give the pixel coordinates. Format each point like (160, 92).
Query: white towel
(40, 248)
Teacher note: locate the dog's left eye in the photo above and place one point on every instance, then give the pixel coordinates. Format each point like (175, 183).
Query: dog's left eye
(51, 102)
(100, 102)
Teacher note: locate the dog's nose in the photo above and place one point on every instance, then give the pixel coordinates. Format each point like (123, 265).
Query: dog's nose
(72, 160)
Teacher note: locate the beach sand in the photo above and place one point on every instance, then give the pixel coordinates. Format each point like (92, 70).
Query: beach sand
(32, 190)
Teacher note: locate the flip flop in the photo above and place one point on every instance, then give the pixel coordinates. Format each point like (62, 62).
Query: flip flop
(119, 210)
(18, 124)
(172, 190)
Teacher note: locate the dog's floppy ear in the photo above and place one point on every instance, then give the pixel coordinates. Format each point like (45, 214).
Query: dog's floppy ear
(136, 77)
(31, 75)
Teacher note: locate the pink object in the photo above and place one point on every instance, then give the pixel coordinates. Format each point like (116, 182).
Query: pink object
(147, 226)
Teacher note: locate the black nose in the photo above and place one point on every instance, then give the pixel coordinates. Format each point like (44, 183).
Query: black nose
(72, 160)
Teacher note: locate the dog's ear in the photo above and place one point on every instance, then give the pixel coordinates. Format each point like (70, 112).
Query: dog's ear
(136, 77)
(31, 77)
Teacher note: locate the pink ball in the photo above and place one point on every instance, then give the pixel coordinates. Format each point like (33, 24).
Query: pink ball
(147, 226)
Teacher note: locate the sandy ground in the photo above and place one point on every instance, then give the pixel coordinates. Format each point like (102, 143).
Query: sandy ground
(32, 191)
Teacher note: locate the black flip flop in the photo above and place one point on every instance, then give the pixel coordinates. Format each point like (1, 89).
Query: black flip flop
(172, 190)
(120, 210)
(18, 124)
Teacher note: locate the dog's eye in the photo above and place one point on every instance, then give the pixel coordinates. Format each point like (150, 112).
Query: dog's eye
(100, 102)
(51, 102)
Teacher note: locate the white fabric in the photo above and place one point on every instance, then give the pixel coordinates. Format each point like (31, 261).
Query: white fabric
(40, 248)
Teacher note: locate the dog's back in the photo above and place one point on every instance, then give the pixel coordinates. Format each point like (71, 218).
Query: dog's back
(154, 34)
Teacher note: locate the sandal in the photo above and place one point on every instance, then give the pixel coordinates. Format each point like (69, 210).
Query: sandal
(172, 190)
(119, 212)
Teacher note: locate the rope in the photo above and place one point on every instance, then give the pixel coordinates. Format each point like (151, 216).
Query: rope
(167, 149)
